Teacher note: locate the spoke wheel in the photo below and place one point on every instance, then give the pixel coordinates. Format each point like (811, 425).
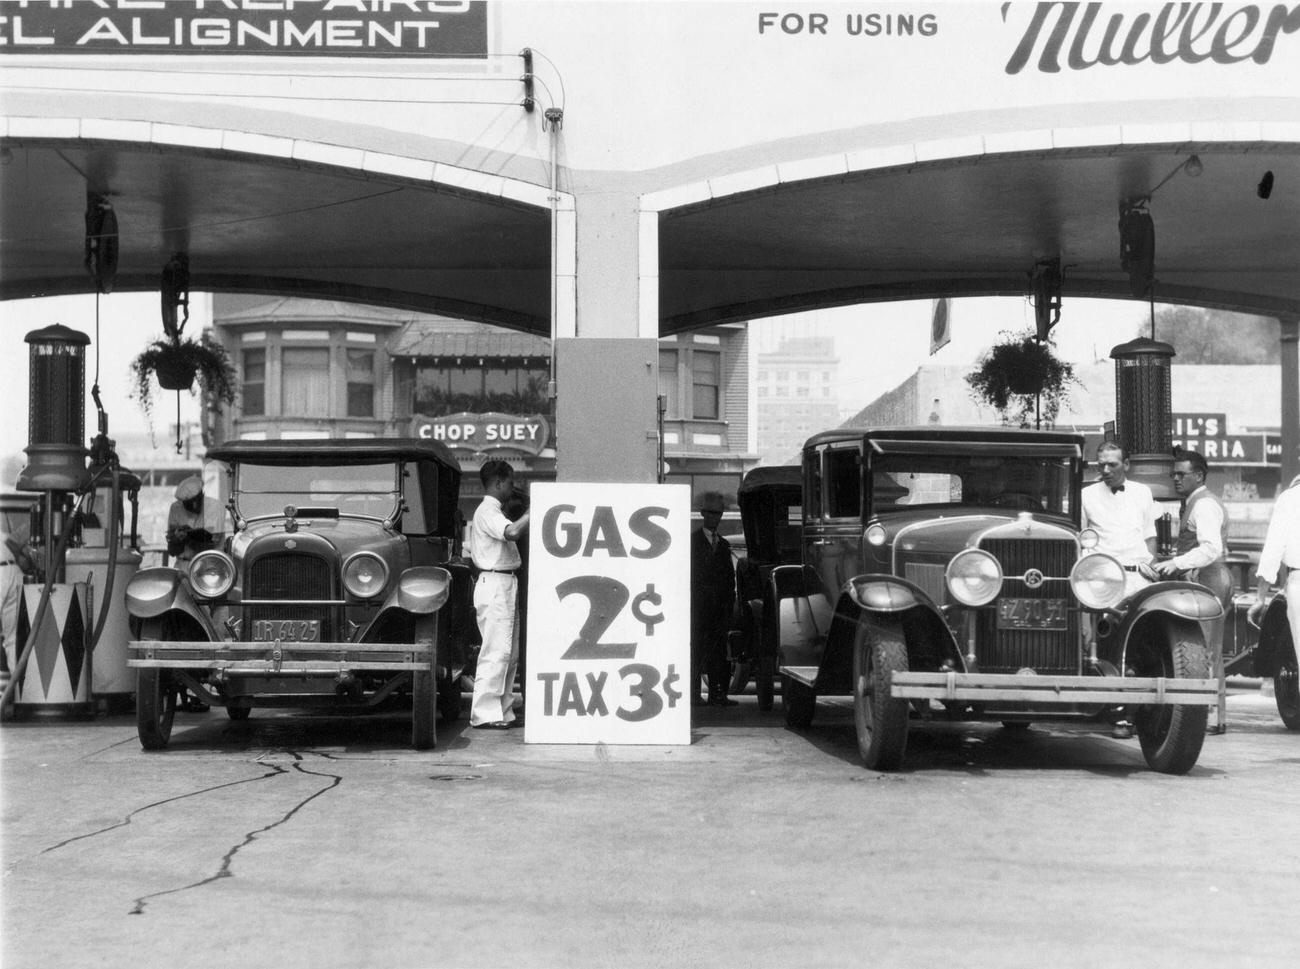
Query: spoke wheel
(881, 720)
(448, 698)
(1171, 735)
(424, 693)
(799, 703)
(156, 696)
(1286, 689)
(155, 707)
(765, 681)
(239, 710)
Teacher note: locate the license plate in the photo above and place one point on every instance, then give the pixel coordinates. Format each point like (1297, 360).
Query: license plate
(286, 630)
(1031, 614)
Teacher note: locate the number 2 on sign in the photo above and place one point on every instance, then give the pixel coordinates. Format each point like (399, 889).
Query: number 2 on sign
(606, 598)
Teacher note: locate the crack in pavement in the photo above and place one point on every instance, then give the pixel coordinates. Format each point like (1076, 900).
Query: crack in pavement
(227, 860)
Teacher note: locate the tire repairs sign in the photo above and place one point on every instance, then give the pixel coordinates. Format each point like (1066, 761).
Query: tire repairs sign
(609, 614)
(321, 28)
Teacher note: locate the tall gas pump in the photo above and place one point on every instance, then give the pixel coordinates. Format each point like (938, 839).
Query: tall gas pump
(58, 626)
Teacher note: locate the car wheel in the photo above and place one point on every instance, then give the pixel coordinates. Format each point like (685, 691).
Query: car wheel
(156, 695)
(424, 699)
(1171, 736)
(799, 703)
(155, 708)
(1286, 689)
(765, 681)
(238, 710)
(881, 720)
(448, 698)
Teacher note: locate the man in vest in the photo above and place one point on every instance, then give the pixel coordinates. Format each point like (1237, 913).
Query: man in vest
(1202, 540)
(1200, 548)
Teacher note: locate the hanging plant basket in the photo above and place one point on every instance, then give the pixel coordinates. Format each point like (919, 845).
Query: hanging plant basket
(175, 372)
(1021, 377)
(176, 364)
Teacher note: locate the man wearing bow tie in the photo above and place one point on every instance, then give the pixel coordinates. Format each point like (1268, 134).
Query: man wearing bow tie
(1123, 514)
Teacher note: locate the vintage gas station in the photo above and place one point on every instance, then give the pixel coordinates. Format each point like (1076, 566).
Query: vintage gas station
(608, 174)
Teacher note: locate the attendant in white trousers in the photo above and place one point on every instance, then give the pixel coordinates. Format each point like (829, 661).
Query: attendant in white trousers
(496, 599)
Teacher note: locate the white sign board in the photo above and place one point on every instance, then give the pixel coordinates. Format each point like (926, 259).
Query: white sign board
(609, 614)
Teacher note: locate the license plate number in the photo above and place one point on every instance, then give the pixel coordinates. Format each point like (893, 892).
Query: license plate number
(286, 630)
(1031, 614)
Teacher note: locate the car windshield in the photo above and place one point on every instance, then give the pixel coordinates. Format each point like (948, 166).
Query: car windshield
(1039, 484)
(369, 490)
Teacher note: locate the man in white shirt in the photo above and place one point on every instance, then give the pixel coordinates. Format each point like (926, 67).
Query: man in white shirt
(1281, 548)
(1203, 526)
(1123, 514)
(496, 599)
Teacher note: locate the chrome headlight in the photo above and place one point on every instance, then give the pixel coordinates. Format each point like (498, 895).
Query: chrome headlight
(364, 575)
(1097, 581)
(974, 577)
(876, 534)
(211, 574)
(1088, 539)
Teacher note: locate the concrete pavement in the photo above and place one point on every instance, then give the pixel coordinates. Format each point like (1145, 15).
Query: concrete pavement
(295, 840)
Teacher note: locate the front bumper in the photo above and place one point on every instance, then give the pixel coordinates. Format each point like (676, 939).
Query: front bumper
(1050, 690)
(302, 659)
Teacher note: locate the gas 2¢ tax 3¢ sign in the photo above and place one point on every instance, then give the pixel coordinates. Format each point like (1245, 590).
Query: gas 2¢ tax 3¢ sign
(609, 605)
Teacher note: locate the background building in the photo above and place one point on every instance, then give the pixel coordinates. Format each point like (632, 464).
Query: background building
(796, 395)
(318, 368)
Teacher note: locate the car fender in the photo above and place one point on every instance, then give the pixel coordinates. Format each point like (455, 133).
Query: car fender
(880, 599)
(155, 592)
(1274, 638)
(1174, 601)
(420, 591)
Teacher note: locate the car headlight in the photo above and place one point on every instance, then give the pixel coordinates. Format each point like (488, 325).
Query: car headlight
(1097, 581)
(365, 575)
(1088, 539)
(876, 534)
(211, 574)
(974, 577)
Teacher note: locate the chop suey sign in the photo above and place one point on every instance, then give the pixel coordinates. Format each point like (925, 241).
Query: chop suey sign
(485, 432)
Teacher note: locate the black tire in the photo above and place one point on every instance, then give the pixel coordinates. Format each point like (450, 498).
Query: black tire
(765, 681)
(1286, 690)
(424, 692)
(448, 698)
(239, 710)
(155, 707)
(881, 720)
(1171, 736)
(799, 703)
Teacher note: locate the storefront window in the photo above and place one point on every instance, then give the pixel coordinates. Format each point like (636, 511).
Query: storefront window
(305, 382)
(253, 387)
(668, 388)
(706, 381)
(361, 383)
(499, 385)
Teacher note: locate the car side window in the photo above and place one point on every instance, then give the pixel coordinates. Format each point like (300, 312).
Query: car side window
(812, 487)
(843, 483)
(413, 522)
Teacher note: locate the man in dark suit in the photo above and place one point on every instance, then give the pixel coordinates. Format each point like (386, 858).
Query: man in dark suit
(713, 593)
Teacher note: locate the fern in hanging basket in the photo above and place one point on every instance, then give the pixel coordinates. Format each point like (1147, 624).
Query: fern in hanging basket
(176, 363)
(1021, 377)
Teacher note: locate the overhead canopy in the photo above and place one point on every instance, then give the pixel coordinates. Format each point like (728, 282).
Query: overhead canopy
(959, 227)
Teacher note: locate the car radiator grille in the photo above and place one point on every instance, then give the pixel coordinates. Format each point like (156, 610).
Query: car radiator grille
(291, 576)
(1044, 651)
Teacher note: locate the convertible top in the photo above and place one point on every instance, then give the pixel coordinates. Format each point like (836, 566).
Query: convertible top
(369, 450)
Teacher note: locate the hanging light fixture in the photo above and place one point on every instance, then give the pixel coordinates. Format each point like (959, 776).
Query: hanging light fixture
(101, 241)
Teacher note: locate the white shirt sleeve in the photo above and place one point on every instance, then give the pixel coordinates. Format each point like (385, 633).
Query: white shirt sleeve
(1281, 533)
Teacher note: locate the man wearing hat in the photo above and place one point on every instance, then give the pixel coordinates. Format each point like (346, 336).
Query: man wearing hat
(186, 535)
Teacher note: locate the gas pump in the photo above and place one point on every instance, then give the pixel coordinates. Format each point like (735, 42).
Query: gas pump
(57, 630)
